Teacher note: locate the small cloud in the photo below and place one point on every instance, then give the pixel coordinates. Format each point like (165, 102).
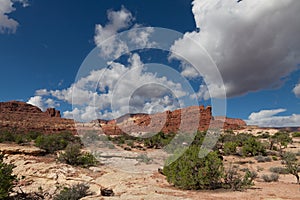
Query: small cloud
(296, 90)
(270, 118)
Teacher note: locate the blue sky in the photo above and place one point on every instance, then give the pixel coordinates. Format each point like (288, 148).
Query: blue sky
(44, 43)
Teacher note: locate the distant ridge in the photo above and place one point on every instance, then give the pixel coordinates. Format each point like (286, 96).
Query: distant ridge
(22, 117)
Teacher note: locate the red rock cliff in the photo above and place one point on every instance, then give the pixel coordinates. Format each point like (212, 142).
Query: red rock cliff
(23, 117)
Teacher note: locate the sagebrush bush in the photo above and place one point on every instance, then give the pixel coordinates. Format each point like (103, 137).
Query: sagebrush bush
(270, 178)
(7, 179)
(261, 158)
(279, 170)
(75, 192)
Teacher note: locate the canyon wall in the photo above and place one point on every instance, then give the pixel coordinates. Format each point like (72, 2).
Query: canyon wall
(23, 117)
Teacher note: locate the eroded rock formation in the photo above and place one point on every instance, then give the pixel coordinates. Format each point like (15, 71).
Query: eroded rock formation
(20, 116)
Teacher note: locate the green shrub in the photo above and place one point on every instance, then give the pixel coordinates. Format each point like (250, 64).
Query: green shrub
(264, 136)
(280, 138)
(159, 140)
(7, 179)
(296, 134)
(32, 135)
(279, 170)
(18, 138)
(270, 178)
(230, 148)
(193, 172)
(7, 136)
(55, 142)
(73, 156)
(274, 158)
(252, 147)
(292, 165)
(235, 181)
(75, 192)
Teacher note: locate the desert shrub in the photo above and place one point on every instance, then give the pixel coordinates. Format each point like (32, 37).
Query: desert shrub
(227, 138)
(7, 136)
(55, 142)
(291, 164)
(18, 138)
(32, 135)
(242, 138)
(75, 192)
(261, 158)
(39, 195)
(289, 157)
(235, 181)
(270, 178)
(159, 140)
(264, 136)
(274, 158)
(230, 148)
(258, 168)
(7, 179)
(279, 170)
(253, 147)
(280, 138)
(74, 156)
(144, 158)
(193, 172)
(296, 134)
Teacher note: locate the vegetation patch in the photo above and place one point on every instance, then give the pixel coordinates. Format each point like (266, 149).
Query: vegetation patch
(7, 179)
(74, 192)
(270, 178)
(73, 156)
(54, 142)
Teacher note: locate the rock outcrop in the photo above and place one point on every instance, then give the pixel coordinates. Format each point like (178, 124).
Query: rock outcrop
(22, 117)
(186, 120)
(51, 112)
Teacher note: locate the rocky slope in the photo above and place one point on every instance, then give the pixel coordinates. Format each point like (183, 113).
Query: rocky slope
(23, 117)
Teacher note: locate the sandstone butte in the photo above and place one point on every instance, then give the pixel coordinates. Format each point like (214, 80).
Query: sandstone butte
(22, 117)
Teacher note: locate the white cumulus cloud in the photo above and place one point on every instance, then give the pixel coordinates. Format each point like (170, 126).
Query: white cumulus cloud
(111, 45)
(254, 43)
(111, 92)
(43, 103)
(8, 24)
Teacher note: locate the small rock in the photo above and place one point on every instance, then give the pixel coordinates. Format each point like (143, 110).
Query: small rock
(107, 192)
